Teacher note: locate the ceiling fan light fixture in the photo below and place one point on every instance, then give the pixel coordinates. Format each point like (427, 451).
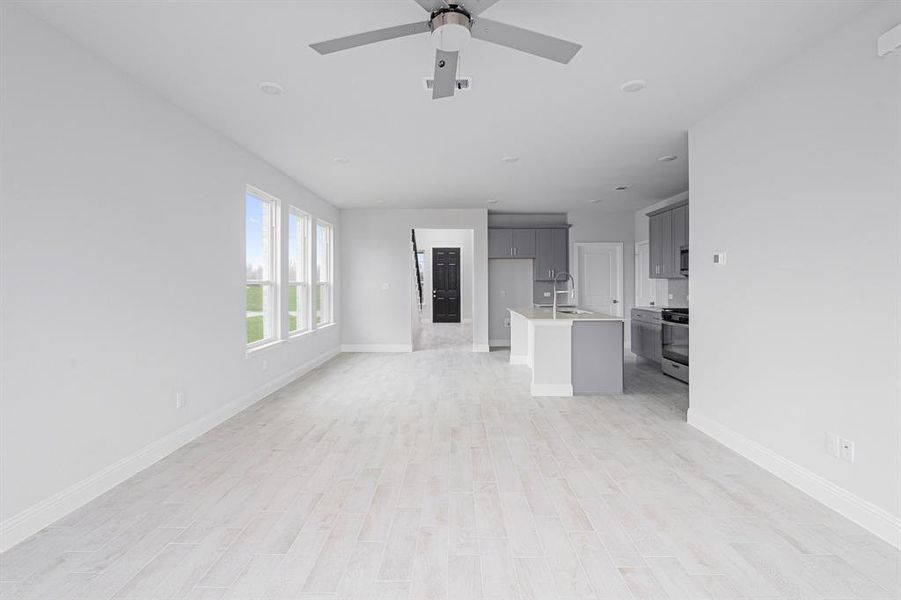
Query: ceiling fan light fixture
(450, 31)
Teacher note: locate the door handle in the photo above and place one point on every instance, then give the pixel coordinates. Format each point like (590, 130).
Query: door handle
(616, 301)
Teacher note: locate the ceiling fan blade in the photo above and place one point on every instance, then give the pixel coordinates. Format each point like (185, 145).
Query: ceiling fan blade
(445, 74)
(370, 37)
(477, 7)
(431, 5)
(524, 40)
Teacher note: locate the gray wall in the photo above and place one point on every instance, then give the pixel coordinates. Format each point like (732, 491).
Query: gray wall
(797, 334)
(510, 286)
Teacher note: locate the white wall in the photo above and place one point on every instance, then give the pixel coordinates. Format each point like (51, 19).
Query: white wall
(376, 263)
(122, 244)
(426, 239)
(597, 226)
(677, 288)
(799, 182)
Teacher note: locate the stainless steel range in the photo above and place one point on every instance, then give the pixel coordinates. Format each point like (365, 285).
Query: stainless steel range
(674, 343)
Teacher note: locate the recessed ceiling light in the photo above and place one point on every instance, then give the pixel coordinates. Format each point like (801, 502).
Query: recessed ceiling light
(510, 159)
(596, 200)
(271, 88)
(668, 158)
(492, 202)
(636, 85)
(620, 188)
(341, 160)
(379, 202)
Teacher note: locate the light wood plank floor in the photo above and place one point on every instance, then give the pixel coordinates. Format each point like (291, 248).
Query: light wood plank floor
(436, 475)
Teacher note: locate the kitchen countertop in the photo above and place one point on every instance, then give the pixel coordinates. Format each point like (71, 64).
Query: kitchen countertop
(651, 308)
(547, 314)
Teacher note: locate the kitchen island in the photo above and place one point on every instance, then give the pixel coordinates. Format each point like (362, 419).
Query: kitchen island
(572, 352)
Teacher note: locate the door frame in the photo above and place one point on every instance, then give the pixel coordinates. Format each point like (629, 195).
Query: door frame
(618, 247)
(638, 278)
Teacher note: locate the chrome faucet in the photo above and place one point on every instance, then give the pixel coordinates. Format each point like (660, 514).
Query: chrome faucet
(571, 291)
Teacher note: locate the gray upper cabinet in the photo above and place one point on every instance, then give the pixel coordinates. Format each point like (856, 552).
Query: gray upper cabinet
(680, 237)
(500, 243)
(511, 243)
(552, 255)
(668, 230)
(524, 243)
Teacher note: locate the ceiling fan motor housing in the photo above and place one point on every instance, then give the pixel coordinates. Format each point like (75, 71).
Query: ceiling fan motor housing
(451, 29)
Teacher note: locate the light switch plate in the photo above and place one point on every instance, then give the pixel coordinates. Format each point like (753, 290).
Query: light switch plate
(832, 444)
(719, 258)
(846, 450)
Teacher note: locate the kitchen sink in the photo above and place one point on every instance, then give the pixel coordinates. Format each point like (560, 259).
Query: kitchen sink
(573, 311)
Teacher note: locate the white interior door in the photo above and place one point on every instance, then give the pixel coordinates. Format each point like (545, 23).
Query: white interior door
(599, 277)
(645, 287)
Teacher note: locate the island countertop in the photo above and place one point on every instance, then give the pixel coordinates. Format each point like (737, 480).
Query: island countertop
(547, 314)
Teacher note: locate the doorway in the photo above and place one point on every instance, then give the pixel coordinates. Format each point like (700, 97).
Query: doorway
(599, 276)
(445, 285)
(444, 271)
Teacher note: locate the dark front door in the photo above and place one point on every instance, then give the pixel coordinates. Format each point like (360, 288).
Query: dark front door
(445, 285)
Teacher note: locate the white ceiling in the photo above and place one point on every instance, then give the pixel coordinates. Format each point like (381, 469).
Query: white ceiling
(576, 134)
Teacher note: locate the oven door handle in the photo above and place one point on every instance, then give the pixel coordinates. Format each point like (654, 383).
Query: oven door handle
(673, 324)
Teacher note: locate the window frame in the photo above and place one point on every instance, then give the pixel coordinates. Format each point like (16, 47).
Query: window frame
(274, 266)
(330, 273)
(304, 281)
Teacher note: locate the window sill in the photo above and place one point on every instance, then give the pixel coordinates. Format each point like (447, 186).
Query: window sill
(265, 346)
(324, 326)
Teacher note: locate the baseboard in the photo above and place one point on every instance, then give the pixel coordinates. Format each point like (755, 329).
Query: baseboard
(862, 512)
(499, 343)
(377, 348)
(519, 359)
(35, 518)
(481, 348)
(544, 389)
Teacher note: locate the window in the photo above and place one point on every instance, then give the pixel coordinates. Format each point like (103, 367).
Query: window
(262, 273)
(324, 287)
(298, 271)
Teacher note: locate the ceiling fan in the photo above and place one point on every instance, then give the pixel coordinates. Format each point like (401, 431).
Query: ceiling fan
(452, 24)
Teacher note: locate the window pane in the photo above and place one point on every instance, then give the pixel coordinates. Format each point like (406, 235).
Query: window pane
(297, 308)
(323, 251)
(297, 247)
(323, 304)
(260, 312)
(258, 216)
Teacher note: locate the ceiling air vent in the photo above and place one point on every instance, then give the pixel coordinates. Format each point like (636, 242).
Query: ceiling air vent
(462, 84)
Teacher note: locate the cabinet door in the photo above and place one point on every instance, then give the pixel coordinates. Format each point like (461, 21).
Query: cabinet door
(500, 243)
(666, 245)
(654, 247)
(524, 243)
(680, 237)
(543, 264)
(559, 262)
(636, 338)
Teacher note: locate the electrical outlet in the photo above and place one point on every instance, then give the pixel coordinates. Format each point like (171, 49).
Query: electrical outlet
(846, 450)
(179, 400)
(507, 322)
(672, 296)
(547, 294)
(832, 444)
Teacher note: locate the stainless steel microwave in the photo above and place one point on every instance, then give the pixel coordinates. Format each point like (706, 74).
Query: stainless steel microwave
(683, 260)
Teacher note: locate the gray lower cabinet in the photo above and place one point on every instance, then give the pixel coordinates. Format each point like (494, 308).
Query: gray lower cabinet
(646, 334)
(552, 254)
